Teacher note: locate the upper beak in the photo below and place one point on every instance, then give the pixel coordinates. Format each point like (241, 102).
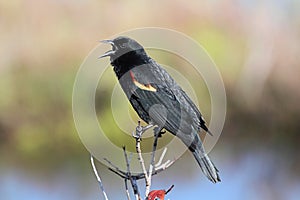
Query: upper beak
(107, 41)
(110, 52)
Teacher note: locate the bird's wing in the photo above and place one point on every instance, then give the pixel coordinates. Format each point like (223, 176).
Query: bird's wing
(192, 108)
(163, 108)
(152, 77)
(186, 101)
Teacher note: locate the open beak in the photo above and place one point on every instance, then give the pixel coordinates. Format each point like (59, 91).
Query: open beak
(110, 52)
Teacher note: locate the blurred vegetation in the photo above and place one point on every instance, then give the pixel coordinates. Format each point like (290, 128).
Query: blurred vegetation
(255, 45)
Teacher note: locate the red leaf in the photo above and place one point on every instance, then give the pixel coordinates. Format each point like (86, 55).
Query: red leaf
(160, 194)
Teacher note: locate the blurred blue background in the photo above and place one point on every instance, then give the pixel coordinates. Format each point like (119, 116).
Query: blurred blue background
(255, 45)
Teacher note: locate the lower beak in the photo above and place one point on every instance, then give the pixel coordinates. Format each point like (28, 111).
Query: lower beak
(108, 53)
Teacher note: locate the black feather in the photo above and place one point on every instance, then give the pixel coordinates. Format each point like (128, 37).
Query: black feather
(166, 104)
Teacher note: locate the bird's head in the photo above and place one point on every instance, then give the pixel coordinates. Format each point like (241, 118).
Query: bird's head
(124, 49)
(125, 54)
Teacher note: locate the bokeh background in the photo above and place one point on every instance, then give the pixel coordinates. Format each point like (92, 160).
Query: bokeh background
(255, 44)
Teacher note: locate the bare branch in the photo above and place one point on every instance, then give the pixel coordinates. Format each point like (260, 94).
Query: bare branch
(111, 164)
(132, 179)
(137, 196)
(169, 190)
(115, 169)
(163, 166)
(126, 188)
(158, 167)
(98, 178)
(139, 132)
(161, 157)
(149, 177)
(121, 173)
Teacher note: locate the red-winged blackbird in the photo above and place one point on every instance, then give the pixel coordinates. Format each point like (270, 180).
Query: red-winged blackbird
(158, 99)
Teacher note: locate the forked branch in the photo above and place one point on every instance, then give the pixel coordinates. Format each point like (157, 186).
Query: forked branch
(154, 169)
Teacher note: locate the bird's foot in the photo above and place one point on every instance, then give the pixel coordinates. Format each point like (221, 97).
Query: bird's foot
(158, 132)
(139, 130)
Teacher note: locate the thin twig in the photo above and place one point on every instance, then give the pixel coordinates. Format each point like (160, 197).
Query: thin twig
(130, 157)
(169, 190)
(149, 177)
(137, 196)
(98, 178)
(158, 167)
(133, 183)
(115, 169)
(139, 132)
(140, 158)
(121, 173)
(111, 164)
(161, 157)
(138, 176)
(126, 188)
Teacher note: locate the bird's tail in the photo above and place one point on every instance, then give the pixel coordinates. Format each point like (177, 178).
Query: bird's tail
(207, 166)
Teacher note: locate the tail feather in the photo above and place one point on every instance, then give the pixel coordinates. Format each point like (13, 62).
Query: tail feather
(207, 167)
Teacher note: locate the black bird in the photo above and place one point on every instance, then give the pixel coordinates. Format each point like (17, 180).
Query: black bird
(158, 99)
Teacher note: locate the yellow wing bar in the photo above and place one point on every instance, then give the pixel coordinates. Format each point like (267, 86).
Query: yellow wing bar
(147, 87)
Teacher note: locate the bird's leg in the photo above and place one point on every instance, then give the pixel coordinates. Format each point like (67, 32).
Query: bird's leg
(139, 130)
(158, 132)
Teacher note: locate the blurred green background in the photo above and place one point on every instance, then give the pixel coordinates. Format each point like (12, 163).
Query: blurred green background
(255, 44)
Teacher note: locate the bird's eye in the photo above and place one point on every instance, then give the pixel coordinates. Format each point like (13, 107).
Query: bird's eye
(156, 198)
(123, 45)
